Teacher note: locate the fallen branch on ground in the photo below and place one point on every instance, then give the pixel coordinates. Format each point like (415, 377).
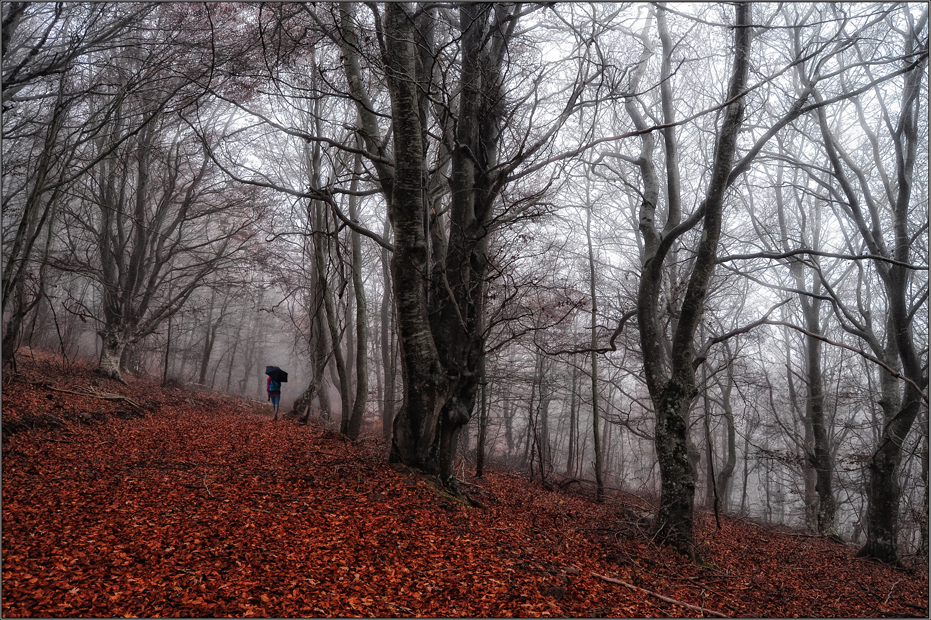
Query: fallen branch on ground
(94, 394)
(660, 596)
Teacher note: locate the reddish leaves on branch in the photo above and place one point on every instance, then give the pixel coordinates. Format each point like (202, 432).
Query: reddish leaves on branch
(205, 507)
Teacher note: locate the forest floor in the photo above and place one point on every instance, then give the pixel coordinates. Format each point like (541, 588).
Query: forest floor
(136, 500)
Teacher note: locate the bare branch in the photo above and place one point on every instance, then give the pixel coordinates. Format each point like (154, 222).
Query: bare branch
(779, 256)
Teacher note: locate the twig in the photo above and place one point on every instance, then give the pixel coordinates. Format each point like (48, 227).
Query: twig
(208, 488)
(890, 591)
(660, 596)
(57, 440)
(338, 456)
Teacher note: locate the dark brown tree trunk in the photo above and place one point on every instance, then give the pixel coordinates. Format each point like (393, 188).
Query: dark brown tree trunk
(13, 326)
(440, 319)
(210, 335)
(113, 343)
(821, 458)
(332, 320)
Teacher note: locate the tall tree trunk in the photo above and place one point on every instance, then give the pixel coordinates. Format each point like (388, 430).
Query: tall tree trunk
(884, 493)
(810, 497)
(388, 344)
(362, 371)
(730, 463)
(542, 436)
(508, 424)
(210, 333)
(573, 421)
(253, 351)
(596, 414)
(819, 457)
(426, 383)
(320, 251)
(711, 494)
(233, 349)
(530, 437)
(746, 475)
(482, 426)
(167, 355)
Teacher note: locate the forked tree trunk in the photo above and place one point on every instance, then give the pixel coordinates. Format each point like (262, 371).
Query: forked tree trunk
(441, 337)
(671, 382)
(426, 384)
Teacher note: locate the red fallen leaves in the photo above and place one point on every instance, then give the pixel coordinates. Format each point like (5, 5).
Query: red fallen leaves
(205, 507)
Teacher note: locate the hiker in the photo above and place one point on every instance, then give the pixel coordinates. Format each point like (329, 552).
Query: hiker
(273, 388)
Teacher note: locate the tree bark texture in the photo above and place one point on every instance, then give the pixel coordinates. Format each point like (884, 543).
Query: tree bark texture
(440, 302)
(426, 384)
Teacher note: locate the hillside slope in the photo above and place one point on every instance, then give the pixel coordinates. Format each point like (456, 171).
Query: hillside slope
(133, 500)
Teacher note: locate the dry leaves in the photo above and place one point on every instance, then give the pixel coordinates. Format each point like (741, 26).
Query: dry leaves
(204, 506)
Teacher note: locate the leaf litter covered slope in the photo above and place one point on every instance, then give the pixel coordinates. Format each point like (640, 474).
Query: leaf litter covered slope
(204, 506)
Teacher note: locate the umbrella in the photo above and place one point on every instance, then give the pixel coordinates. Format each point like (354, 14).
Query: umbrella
(276, 374)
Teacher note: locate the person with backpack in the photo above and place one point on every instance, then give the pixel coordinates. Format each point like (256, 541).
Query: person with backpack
(274, 394)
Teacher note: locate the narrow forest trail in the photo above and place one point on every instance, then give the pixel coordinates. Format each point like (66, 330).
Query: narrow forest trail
(200, 505)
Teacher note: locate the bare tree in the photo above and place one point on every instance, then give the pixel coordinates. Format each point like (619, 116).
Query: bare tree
(49, 69)
(438, 269)
(886, 222)
(670, 376)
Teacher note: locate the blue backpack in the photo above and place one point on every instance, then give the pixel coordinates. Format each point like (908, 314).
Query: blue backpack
(274, 386)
